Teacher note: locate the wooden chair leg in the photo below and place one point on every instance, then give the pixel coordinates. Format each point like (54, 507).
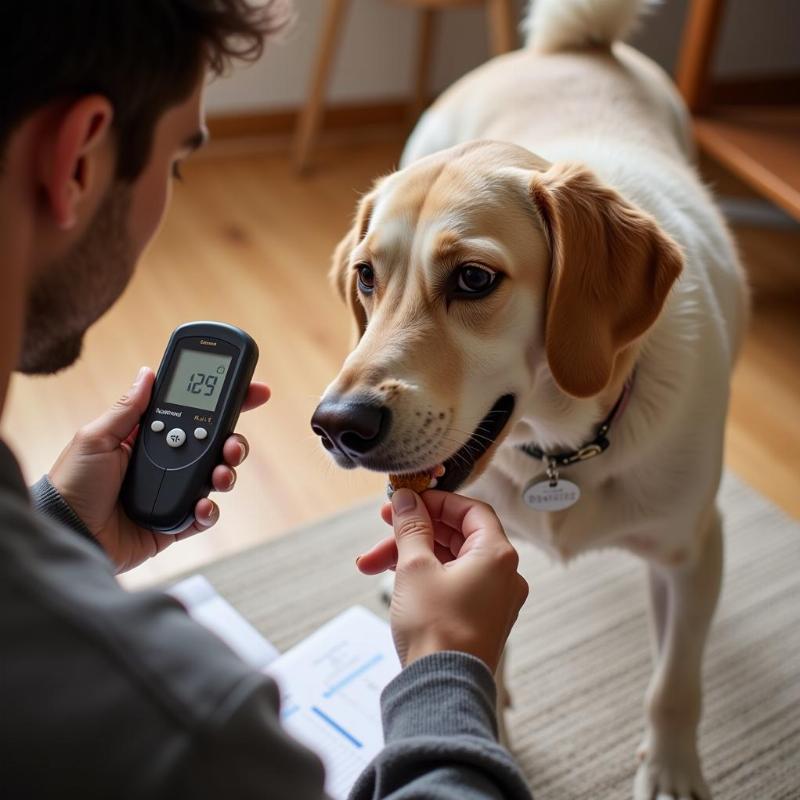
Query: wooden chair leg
(422, 83)
(700, 33)
(502, 26)
(309, 122)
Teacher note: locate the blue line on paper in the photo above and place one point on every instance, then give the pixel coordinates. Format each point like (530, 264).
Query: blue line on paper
(289, 711)
(340, 684)
(336, 726)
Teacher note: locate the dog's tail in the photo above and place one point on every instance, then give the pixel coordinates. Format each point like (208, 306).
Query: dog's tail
(553, 25)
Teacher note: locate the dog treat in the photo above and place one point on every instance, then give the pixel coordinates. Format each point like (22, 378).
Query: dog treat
(416, 481)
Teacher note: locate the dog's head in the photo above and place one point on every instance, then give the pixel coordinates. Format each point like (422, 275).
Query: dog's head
(468, 275)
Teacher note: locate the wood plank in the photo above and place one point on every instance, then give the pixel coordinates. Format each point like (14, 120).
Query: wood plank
(761, 146)
(283, 121)
(700, 33)
(426, 37)
(502, 17)
(439, 3)
(311, 117)
(763, 433)
(775, 89)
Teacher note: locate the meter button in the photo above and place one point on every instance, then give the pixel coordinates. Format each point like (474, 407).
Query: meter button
(176, 437)
(200, 433)
(156, 426)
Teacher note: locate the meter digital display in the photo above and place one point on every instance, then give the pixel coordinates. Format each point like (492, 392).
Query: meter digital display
(198, 380)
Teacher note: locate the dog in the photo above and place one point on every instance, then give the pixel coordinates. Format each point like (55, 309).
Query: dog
(547, 302)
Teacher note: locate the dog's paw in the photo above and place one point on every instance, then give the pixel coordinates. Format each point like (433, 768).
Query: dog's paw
(667, 773)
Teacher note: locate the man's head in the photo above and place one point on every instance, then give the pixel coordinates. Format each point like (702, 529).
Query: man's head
(106, 101)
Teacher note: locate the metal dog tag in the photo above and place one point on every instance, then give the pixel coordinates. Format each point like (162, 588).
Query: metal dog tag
(551, 495)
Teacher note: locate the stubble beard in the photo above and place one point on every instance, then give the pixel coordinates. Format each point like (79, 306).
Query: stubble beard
(77, 289)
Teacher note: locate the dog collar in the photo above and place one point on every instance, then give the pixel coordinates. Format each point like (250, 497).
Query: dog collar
(595, 447)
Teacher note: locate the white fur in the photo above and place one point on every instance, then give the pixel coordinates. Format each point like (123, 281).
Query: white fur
(553, 25)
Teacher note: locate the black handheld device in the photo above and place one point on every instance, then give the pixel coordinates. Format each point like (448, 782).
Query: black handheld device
(199, 390)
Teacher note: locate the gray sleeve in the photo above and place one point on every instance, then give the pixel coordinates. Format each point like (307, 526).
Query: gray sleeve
(440, 727)
(47, 501)
(249, 757)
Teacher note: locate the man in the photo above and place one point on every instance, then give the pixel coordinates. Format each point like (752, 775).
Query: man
(105, 693)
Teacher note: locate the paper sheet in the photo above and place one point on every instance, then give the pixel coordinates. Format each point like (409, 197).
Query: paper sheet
(213, 611)
(330, 693)
(330, 682)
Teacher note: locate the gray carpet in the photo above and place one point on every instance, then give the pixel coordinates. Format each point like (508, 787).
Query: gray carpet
(580, 656)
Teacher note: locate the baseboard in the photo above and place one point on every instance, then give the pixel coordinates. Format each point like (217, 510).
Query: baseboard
(282, 122)
(772, 90)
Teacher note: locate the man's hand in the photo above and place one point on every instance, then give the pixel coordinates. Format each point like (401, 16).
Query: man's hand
(457, 585)
(89, 473)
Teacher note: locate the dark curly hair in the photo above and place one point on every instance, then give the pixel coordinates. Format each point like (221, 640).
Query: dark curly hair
(145, 56)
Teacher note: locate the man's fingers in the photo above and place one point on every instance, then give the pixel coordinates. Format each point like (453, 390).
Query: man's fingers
(383, 557)
(443, 534)
(443, 553)
(129, 441)
(117, 424)
(235, 450)
(223, 478)
(523, 589)
(379, 558)
(464, 514)
(236, 447)
(456, 543)
(256, 396)
(206, 514)
(413, 529)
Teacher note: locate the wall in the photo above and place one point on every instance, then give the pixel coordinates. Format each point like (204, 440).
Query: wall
(376, 54)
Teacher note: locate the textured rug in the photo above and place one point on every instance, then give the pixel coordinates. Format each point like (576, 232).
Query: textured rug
(580, 657)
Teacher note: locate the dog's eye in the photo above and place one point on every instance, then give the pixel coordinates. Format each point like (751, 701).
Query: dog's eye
(474, 280)
(366, 278)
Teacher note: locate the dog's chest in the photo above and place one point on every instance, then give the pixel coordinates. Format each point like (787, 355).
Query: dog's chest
(552, 531)
(508, 485)
(596, 519)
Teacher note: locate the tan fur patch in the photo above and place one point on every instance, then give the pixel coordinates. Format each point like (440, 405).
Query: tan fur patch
(612, 270)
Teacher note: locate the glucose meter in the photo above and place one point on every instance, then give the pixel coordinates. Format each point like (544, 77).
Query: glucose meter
(198, 394)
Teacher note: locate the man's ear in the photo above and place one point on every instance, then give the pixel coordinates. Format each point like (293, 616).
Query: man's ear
(612, 268)
(342, 275)
(71, 157)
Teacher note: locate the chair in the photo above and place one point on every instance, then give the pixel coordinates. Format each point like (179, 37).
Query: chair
(753, 129)
(501, 19)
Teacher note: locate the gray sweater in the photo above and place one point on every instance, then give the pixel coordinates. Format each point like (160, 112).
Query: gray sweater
(106, 693)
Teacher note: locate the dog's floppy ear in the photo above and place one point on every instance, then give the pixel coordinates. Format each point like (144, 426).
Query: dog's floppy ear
(612, 268)
(342, 276)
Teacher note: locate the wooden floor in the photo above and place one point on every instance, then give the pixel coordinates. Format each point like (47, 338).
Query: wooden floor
(248, 243)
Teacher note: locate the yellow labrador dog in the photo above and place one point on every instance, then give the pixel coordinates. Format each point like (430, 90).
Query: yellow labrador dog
(549, 306)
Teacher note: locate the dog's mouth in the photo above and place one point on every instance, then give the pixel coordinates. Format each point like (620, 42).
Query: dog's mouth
(455, 470)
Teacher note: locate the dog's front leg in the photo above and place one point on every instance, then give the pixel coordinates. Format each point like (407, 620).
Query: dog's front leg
(659, 598)
(684, 598)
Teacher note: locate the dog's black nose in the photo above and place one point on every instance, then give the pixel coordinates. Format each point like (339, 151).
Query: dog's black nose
(352, 426)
